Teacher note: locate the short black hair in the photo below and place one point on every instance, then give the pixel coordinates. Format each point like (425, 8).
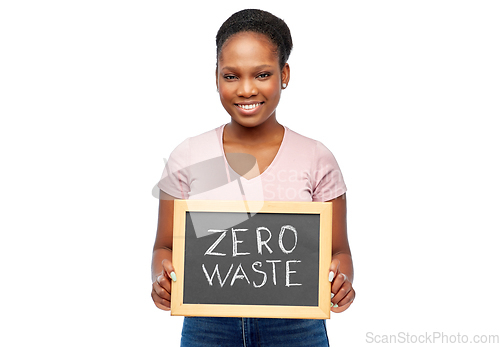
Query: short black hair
(258, 21)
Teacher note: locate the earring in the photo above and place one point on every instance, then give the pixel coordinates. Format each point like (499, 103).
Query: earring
(284, 85)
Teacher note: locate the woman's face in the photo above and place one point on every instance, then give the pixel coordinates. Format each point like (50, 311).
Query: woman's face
(249, 78)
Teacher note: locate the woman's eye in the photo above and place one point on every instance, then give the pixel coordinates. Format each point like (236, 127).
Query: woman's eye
(264, 75)
(229, 77)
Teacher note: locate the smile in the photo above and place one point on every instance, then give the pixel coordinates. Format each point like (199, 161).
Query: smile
(249, 107)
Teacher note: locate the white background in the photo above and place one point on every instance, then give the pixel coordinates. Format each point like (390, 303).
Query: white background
(94, 94)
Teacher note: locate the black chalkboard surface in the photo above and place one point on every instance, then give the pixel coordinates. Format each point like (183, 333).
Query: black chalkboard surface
(261, 259)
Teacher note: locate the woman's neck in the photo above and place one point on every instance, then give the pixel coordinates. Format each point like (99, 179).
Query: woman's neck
(263, 133)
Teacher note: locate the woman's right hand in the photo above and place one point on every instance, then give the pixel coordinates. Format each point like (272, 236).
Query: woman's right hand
(162, 286)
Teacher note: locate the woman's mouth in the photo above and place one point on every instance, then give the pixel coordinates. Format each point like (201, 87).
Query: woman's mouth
(249, 106)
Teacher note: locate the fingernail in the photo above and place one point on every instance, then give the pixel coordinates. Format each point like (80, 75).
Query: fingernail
(331, 304)
(332, 296)
(173, 276)
(158, 279)
(330, 276)
(335, 306)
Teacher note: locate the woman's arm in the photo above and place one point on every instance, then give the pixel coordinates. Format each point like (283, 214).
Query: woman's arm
(341, 269)
(162, 271)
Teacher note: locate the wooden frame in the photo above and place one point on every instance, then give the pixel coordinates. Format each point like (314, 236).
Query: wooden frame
(321, 311)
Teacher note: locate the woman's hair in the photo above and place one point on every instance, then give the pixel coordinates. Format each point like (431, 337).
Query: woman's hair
(261, 22)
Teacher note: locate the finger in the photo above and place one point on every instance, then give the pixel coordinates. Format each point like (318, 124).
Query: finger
(338, 282)
(169, 269)
(334, 269)
(347, 299)
(159, 302)
(162, 293)
(341, 294)
(340, 308)
(164, 282)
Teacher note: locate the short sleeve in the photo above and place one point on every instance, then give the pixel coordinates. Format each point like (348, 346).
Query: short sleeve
(175, 178)
(328, 182)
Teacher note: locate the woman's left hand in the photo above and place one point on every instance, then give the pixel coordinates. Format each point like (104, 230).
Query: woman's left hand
(341, 288)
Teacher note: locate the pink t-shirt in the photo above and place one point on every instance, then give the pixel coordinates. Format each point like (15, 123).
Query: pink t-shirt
(303, 170)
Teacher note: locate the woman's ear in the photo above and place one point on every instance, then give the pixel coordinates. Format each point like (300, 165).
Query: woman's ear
(285, 76)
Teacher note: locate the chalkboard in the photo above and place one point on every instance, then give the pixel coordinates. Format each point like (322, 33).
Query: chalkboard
(266, 259)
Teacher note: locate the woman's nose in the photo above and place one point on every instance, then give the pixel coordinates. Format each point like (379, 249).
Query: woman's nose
(247, 88)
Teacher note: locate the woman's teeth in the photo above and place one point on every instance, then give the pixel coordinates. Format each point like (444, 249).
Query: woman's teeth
(248, 107)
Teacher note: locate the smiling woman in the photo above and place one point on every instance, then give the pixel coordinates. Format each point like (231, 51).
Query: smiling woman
(249, 79)
(253, 47)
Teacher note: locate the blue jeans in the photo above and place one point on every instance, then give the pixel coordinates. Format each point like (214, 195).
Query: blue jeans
(253, 332)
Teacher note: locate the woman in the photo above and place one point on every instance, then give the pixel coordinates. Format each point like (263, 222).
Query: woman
(271, 162)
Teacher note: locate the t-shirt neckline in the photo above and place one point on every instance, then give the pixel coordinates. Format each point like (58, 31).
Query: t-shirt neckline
(267, 170)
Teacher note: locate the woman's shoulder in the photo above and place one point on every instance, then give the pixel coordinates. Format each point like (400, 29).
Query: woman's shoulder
(202, 145)
(308, 149)
(208, 135)
(302, 142)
